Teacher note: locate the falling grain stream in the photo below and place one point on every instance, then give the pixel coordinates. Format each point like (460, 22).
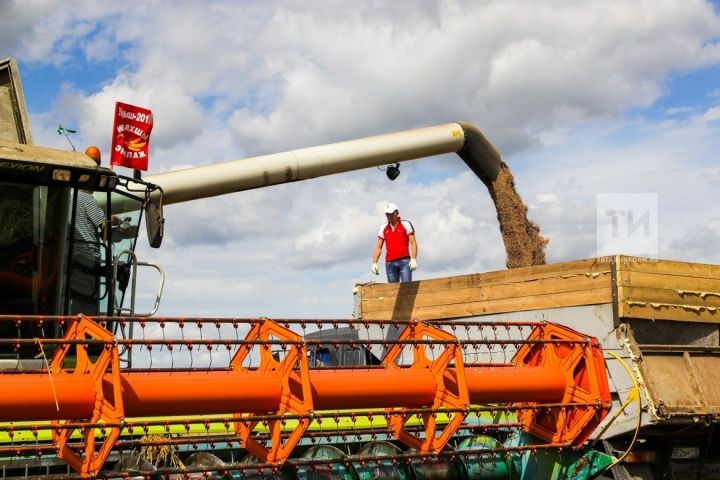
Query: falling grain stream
(524, 246)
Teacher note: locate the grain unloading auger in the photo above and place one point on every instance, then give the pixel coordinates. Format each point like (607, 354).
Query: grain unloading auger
(267, 400)
(312, 162)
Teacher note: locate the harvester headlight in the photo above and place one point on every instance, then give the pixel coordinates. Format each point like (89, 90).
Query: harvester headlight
(106, 182)
(61, 175)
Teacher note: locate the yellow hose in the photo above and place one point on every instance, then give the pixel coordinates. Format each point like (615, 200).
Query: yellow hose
(634, 393)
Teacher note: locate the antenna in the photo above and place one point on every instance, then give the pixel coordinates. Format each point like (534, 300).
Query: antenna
(64, 131)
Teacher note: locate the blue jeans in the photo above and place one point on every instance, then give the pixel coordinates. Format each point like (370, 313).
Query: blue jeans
(398, 270)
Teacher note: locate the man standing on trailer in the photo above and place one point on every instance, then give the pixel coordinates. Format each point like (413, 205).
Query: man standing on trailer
(401, 248)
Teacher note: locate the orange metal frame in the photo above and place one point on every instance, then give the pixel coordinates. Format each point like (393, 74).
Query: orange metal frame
(583, 367)
(557, 365)
(448, 396)
(293, 369)
(108, 405)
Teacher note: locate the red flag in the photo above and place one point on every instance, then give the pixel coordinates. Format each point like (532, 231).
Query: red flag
(131, 136)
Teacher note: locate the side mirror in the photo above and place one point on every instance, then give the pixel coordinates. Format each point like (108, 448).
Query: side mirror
(154, 220)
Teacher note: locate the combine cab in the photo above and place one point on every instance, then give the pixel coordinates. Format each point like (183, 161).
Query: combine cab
(55, 259)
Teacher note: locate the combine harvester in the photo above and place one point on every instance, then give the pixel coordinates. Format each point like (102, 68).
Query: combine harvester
(474, 377)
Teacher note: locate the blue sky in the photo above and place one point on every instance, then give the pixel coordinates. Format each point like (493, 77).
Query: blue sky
(581, 98)
(42, 82)
(693, 89)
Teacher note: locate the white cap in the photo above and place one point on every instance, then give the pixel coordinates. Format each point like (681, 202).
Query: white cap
(390, 207)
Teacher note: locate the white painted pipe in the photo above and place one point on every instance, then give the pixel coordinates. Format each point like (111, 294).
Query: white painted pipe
(305, 163)
(302, 164)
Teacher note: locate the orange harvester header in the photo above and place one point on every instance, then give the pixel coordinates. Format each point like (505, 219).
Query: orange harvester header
(554, 367)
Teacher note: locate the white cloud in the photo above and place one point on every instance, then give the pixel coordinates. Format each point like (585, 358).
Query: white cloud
(292, 76)
(699, 242)
(471, 62)
(549, 82)
(679, 110)
(450, 238)
(178, 117)
(546, 198)
(336, 239)
(20, 17)
(712, 114)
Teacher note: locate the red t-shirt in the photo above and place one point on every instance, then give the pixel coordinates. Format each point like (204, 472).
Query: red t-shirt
(397, 239)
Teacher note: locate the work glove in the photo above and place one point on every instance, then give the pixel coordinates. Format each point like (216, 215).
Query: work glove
(375, 269)
(413, 265)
